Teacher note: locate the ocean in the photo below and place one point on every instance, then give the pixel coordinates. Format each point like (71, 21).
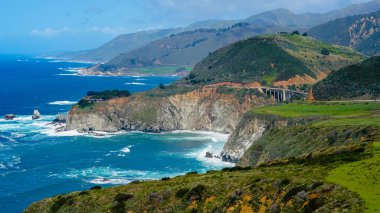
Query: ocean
(36, 162)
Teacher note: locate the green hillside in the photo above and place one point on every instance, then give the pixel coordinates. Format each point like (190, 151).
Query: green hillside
(361, 32)
(359, 81)
(271, 58)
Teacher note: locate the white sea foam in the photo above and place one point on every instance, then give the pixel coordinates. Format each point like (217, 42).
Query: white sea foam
(136, 83)
(66, 74)
(62, 102)
(126, 149)
(112, 181)
(108, 175)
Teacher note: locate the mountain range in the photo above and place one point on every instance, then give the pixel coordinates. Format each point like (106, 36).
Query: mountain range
(275, 20)
(361, 32)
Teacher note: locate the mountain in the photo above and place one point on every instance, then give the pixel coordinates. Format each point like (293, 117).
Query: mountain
(274, 60)
(280, 60)
(286, 18)
(361, 32)
(359, 81)
(186, 48)
(266, 22)
(122, 43)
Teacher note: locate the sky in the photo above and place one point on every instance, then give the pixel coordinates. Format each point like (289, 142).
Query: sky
(51, 26)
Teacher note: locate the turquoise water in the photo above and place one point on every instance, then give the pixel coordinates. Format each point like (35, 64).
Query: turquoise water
(36, 162)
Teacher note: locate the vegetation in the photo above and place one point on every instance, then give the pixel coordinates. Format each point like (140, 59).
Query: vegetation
(334, 110)
(93, 97)
(361, 177)
(161, 70)
(292, 187)
(249, 61)
(360, 81)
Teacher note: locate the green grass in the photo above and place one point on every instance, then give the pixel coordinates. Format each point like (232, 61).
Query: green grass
(320, 109)
(164, 70)
(329, 113)
(362, 177)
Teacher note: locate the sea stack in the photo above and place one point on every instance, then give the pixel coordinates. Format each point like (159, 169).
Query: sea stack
(9, 117)
(36, 115)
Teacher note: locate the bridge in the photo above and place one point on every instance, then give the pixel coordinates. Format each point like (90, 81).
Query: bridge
(278, 94)
(282, 95)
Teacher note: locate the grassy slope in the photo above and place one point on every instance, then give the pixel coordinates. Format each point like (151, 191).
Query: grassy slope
(270, 58)
(335, 114)
(351, 82)
(290, 188)
(164, 70)
(361, 177)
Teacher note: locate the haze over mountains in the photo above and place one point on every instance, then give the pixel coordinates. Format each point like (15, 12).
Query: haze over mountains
(270, 21)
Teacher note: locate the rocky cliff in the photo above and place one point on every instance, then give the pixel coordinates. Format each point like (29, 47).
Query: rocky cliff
(203, 109)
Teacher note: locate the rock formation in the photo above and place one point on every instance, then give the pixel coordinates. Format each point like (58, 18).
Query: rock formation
(9, 117)
(36, 115)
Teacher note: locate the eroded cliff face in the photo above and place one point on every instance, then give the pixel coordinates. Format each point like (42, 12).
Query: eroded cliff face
(202, 109)
(249, 130)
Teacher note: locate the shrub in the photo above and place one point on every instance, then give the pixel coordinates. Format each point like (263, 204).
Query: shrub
(85, 103)
(95, 188)
(304, 34)
(192, 173)
(122, 197)
(196, 193)
(295, 32)
(161, 86)
(325, 51)
(181, 192)
(165, 178)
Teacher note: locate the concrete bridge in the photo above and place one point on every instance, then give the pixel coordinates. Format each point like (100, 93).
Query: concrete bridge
(282, 95)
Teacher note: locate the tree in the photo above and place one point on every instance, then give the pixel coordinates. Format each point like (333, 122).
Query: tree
(295, 32)
(304, 34)
(162, 86)
(325, 51)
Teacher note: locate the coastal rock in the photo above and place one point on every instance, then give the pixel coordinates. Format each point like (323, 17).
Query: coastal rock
(36, 115)
(209, 155)
(9, 117)
(59, 119)
(203, 109)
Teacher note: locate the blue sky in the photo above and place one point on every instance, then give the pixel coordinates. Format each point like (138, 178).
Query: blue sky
(39, 26)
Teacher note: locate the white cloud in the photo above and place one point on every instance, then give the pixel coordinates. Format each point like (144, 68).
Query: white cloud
(49, 32)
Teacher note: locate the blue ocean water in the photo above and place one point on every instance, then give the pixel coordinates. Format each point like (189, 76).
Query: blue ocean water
(36, 162)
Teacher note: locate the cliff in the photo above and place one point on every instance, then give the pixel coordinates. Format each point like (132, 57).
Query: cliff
(205, 108)
(272, 133)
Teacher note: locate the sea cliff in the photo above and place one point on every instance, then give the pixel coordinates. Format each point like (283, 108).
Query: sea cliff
(206, 109)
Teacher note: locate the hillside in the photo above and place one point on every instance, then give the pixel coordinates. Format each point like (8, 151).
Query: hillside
(185, 48)
(279, 60)
(361, 32)
(359, 81)
(285, 170)
(272, 21)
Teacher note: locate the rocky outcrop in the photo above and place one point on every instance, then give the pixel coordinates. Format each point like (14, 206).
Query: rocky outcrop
(9, 117)
(250, 129)
(202, 109)
(36, 115)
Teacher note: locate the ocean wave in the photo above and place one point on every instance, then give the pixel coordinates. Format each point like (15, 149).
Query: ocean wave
(109, 175)
(136, 83)
(112, 181)
(10, 162)
(62, 103)
(66, 74)
(126, 149)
